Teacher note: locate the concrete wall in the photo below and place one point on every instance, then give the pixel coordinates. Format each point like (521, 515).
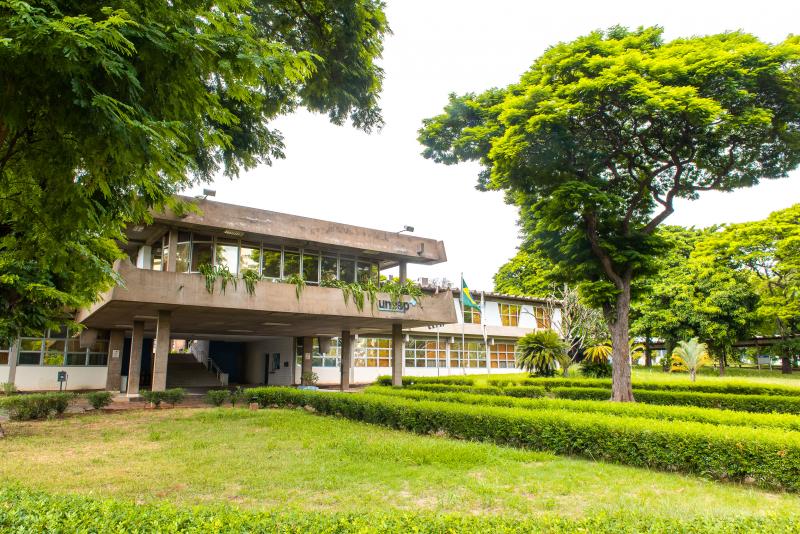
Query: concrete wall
(367, 375)
(255, 361)
(44, 378)
(4, 370)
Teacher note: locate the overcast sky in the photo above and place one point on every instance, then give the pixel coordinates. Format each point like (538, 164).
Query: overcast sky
(382, 181)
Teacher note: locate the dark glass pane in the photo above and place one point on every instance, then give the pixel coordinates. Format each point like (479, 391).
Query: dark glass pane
(98, 359)
(182, 258)
(347, 270)
(28, 358)
(202, 254)
(311, 267)
(3, 357)
(272, 263)
(184, 237)
(364, 272)
(291, 262)
(328, 268)
(76, 358)
(201, 237)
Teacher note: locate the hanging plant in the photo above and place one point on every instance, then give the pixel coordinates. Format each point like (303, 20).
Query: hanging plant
(250, 277)
(225, 276)
(299, 284)
(210, 274)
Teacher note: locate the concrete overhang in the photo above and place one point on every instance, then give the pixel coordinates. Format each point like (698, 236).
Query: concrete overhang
(256, 224)
(273, 310)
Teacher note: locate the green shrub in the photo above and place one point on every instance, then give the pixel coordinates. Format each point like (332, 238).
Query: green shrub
(153, 397)
(239, 396)
(485, 390)
(386, 380)
(35, 406)
(217, 397)
(721, 401)
(8, 388)
(623, 409)
(26, 511)
(768, 457)
(173, 396)
(595, 369)
(99, 399)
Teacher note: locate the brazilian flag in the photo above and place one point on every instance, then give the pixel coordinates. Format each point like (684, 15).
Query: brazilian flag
(466, 297)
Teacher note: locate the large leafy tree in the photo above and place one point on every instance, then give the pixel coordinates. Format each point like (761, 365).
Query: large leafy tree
(769, 252)
(529, 273)
(108, 108)
(602, 134)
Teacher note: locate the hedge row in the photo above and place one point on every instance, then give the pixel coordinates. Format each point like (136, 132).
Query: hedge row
(720, 401)
(767, 457)
(385, 380)
(521, 391)
(24, 511)
(626, 409)
(35, 406)
(728, 387)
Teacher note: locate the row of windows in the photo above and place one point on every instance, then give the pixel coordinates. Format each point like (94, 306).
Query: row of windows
(272, 261)
(60, 348)
(509, 315)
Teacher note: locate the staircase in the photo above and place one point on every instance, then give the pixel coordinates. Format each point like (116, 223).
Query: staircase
(183, 370)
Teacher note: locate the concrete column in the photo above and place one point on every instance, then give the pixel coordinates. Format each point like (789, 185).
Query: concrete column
(135, 366)
(347, 359)
(162, 350)
(114, 364)
(172, 256)
(12, 361)
(397, 354)
(403, 271)
(307, 367)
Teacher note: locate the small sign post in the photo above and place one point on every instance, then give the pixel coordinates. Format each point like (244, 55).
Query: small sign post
(62, 378)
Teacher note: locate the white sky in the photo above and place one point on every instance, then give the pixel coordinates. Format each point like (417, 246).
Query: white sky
(382, 181)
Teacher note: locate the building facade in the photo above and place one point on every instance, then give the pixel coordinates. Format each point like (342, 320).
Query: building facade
(185, 315)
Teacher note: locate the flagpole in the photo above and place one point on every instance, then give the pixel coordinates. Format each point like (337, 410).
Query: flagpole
(463, 320)
(486, 350)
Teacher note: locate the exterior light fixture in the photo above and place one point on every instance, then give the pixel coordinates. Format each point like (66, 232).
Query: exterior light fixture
(406, 229)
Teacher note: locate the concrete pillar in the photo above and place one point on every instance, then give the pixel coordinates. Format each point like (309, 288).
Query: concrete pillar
(307, 367)
(397, 354)
(12, 361)
(162, 350)
(114, 364)
(403, 271)
(347, 359)
(135, 366)
(172, 251)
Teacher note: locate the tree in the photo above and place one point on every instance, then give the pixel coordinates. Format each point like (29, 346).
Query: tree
(109, 108)
(602, 134)
(540, 351)
(767, 251)
(528, 273)
(690, 356)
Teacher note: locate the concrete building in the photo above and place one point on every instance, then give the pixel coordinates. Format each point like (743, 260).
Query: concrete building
(164, 326)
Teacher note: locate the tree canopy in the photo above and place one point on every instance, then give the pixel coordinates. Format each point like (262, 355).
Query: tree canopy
(602, 134)
(109, 108)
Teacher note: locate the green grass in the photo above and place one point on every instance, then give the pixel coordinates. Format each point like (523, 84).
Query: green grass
(273, 459)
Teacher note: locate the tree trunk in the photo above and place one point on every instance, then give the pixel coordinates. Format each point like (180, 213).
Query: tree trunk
(786, 365)
(692, 374)
(618, 321)
(648, 352)
(722, 363)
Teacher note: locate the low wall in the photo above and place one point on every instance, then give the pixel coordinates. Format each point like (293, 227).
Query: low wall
(4, 370)
(367, 375)
(45, 378)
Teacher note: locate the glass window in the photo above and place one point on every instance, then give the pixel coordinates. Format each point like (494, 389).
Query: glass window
(272, 263)
(29, 358)
(76, 358)
(373, 352)
(249, 257)
(347, 270)
(98, 359)
(227, 254)
(422, 352)
(329, 359)
(182, 254)
(155, 257)
(202, 254)
(472, 316)
(364, 271)
(53, 353)
(311, 266)
(509, 314)
(542, 317)
(4, 355)
(291, 262)
(164, 252)
(473, 355)
(329, 271)
(503, 356)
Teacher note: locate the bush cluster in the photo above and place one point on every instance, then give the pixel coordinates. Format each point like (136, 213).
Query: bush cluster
(728, 387)
(720, 401)
(386, 380)
(765, 456)
(625, 409)
(35, 406)
(99, 399)
(27, 511)
(218, 397)
(170, 396)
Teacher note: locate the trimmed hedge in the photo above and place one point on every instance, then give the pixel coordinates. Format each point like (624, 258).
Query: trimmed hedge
(170, 396)
(24, 511)
(720, 401)
(728, 387)
(621, 409)
(35, 406)
(512, 391)
(768, 457)
(386, 380)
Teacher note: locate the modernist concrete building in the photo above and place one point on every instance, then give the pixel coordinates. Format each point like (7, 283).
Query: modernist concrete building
(275, 334)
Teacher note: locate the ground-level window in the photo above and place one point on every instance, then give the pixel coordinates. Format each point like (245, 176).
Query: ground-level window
(473, 354)
(421, 352)
(331, 358)
(372, 352)
(542, 317)
(4, 354)
(503, 356)
(59, 348)
(509, 314)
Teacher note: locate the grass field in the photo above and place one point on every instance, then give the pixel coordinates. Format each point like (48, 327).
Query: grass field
(273, 459)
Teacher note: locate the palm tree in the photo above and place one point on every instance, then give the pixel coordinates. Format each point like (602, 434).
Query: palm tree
(600, 352)
(540, 351)
(690, 356)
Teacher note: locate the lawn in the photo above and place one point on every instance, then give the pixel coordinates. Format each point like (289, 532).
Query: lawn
(291, 459)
